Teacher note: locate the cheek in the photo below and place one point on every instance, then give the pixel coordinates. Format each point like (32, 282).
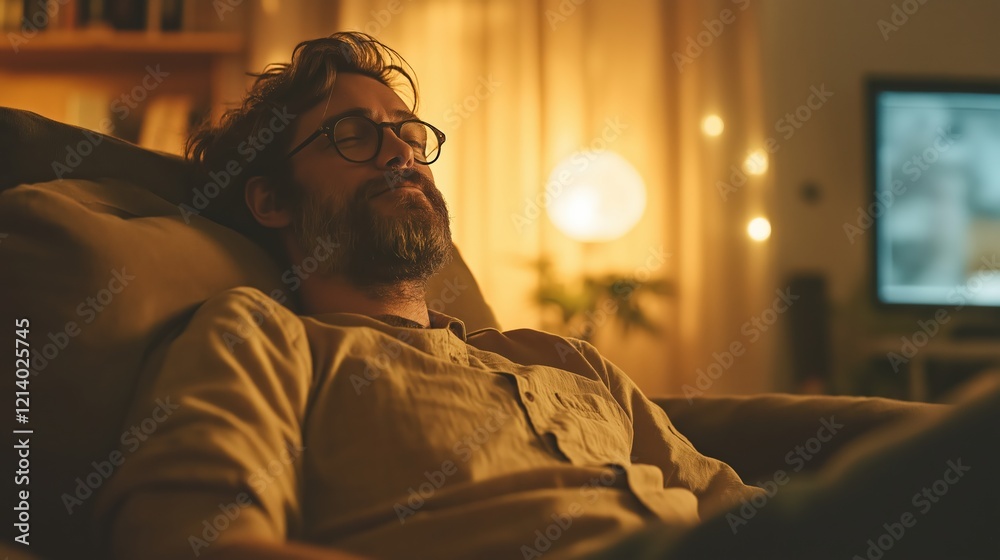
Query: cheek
(426, 172)
(325, 179)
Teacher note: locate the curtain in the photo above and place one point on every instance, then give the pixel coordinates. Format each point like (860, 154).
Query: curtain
(519, 85)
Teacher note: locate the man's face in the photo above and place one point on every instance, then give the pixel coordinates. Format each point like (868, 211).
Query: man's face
(385, 218)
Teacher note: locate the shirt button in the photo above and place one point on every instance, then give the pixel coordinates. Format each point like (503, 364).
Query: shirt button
(529, 396)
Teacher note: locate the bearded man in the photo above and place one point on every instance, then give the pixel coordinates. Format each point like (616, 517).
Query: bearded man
(367, 424)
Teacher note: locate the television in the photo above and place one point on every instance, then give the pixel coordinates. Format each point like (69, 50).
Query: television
(935, 204)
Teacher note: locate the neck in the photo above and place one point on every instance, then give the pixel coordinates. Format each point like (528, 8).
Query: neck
(334, 294)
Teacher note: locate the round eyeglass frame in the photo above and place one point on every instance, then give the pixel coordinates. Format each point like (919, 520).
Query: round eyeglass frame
(327, 130)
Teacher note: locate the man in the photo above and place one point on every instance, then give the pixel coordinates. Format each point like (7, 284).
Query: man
(371, 425)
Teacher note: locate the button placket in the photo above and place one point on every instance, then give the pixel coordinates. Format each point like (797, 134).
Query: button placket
(533, 405)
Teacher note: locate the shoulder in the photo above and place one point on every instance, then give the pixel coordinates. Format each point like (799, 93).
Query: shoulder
(243, 311)
(240, 297)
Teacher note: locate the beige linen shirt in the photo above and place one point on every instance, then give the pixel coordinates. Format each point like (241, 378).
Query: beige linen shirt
(344, 431)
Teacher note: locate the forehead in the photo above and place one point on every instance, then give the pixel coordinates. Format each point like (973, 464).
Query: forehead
(350, 92)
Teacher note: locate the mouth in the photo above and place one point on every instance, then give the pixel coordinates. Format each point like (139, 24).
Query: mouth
(404, 186)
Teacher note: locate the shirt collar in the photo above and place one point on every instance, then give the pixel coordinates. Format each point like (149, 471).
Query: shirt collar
(441, 321)
(438, 321)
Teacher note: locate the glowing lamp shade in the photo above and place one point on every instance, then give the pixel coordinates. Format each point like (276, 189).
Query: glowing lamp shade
(712, 125)
(759, 229)
(596, 197)
(756, 162)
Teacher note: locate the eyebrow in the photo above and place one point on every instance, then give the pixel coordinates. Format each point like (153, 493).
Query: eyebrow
(397, 114)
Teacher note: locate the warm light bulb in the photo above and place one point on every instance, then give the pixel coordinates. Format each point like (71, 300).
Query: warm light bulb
(712, 125)
(597, 197)
(756, 162)
(759, 229)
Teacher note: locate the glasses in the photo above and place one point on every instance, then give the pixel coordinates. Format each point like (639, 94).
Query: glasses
(359, 139)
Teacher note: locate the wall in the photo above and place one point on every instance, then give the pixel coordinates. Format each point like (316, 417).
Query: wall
(836, 44)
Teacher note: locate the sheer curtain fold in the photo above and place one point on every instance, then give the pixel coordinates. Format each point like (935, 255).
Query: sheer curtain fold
(519, 85)
(726, 279)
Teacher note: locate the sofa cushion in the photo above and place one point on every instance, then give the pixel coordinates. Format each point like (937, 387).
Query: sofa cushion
(760, 435)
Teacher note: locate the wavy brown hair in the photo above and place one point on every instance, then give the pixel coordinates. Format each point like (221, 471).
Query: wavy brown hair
(292, 88)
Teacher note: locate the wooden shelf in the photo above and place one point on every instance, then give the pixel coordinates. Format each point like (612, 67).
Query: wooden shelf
(128, 42)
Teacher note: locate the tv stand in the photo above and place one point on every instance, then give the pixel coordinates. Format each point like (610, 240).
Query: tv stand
(975, 348)
(972, 332)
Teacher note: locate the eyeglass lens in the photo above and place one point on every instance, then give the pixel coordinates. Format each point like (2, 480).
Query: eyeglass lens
(357, 139)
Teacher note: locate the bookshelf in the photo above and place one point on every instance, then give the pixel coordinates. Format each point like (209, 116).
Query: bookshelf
(81, 69)
(104, 42)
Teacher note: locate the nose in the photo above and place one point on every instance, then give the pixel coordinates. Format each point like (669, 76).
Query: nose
(394, 153)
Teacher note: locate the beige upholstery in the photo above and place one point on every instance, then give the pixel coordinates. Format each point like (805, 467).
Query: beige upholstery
(756, 434)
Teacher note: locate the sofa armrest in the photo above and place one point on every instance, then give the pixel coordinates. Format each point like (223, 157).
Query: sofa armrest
(758, 435)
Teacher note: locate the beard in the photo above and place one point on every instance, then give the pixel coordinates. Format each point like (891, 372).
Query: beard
(374, 251)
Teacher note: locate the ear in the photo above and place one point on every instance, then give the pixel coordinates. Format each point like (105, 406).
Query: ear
(263, 202)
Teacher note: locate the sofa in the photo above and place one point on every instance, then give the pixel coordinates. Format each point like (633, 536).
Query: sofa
(107, 250)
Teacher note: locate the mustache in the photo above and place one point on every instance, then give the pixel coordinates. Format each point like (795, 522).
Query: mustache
(378, 185)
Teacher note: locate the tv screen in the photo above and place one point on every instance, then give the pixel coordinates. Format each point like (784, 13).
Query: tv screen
(936, 203)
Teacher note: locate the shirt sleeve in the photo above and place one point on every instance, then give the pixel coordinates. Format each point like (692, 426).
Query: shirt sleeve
(657, 442)
(211, 446)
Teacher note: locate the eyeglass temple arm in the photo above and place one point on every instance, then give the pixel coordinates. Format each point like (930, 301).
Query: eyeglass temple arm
(306, 142)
